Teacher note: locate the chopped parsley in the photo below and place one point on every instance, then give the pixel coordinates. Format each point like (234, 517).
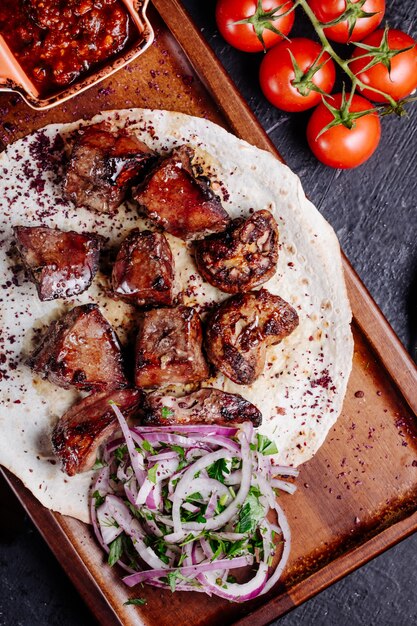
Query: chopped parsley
(120, 452)
(218, 469)
(166, 412)
(265, 446)
(148, 447)
(116, 550)
(152, 473)
(251, 513)
(135, 601)
(99, 499)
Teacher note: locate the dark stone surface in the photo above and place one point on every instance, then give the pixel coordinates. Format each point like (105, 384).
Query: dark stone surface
(373, 210)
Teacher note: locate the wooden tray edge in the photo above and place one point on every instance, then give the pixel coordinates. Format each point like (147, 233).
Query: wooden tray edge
(367, 315)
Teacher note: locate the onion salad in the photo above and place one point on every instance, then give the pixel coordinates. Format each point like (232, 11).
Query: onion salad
(193, 508)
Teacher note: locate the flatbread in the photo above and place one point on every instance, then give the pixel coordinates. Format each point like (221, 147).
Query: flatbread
(301, 390)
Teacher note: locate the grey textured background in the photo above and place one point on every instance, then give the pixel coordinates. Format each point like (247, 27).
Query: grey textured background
(373, 210)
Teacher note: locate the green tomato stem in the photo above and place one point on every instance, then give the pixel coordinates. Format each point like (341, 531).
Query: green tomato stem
(356, 82)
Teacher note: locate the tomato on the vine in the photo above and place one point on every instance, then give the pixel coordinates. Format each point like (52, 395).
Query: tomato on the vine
(355, 27)
(294, 74)
(394, 73)
(254, 25)
(338, 145)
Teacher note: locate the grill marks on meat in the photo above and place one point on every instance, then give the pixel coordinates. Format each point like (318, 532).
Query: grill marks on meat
(243, 257)
(206, 406)
(102, 166)
(177, 201)
(61, 264)
(169, 348)
(89, 423)
(240, 330)
(80, 350)
(143, 273)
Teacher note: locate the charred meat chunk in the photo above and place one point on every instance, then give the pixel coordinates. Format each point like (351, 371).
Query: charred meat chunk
(102, 166)
(243, 257)
(240, 330)
(168, 348)
(177, 201)
(80, 350)
(88, 424)
(205, 406)
(143, 273)
(61, 264)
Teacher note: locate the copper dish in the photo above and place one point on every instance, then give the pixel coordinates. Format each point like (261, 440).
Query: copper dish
(13, 78)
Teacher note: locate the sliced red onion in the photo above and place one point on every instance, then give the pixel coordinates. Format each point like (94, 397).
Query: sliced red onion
(188, 570)
(282, 470)
(190, 507)
(144, 491)
(165, 455)
(228, 536)
(283, 485)
(211, 429)
(212, 503)
(286, 535)
(109, 530)
(135, 457)
(234, 478)
(247, 591)
(196, 452)
(180, 586)
(205, 545)
(154, 498)
(132, 528)
(203, 445)
(216, 522)
(165, 468)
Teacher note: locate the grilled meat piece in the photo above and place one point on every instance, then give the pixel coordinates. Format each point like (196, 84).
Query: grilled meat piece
(205, 406)
(61, 264)
(243, 257)
(80, 350)
(102, 166)
(177, 201)
(143, 273)
(168, 348)
(242, 327)
(89, 423)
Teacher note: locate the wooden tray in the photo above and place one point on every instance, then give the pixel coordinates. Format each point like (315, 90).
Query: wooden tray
(358, 496)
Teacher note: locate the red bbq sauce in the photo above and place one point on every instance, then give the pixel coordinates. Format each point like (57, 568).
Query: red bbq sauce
(57, 41)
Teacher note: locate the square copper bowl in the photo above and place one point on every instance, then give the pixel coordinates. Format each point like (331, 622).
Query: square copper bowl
(13, 78)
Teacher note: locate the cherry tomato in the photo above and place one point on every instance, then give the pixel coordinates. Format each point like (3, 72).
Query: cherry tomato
(278, 77)
(329, 10)
(401, 80)
(340, 146)
(244, 36)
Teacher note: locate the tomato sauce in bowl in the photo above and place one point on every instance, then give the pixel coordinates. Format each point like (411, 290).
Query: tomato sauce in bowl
(58, 41)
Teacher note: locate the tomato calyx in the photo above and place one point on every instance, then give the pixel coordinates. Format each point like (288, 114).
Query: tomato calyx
(351, 14)
(343, 116)
(262, 20)
(380, 54)
(303, 81)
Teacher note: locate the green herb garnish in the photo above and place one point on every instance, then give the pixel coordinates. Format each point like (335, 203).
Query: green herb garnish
(99, 499)
(116, 550)
(135, 601)
(166, 412)
(266, 446)
(218, 469)
(152, 473)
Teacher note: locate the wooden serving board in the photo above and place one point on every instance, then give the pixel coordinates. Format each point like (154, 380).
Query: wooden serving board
(358, 495)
